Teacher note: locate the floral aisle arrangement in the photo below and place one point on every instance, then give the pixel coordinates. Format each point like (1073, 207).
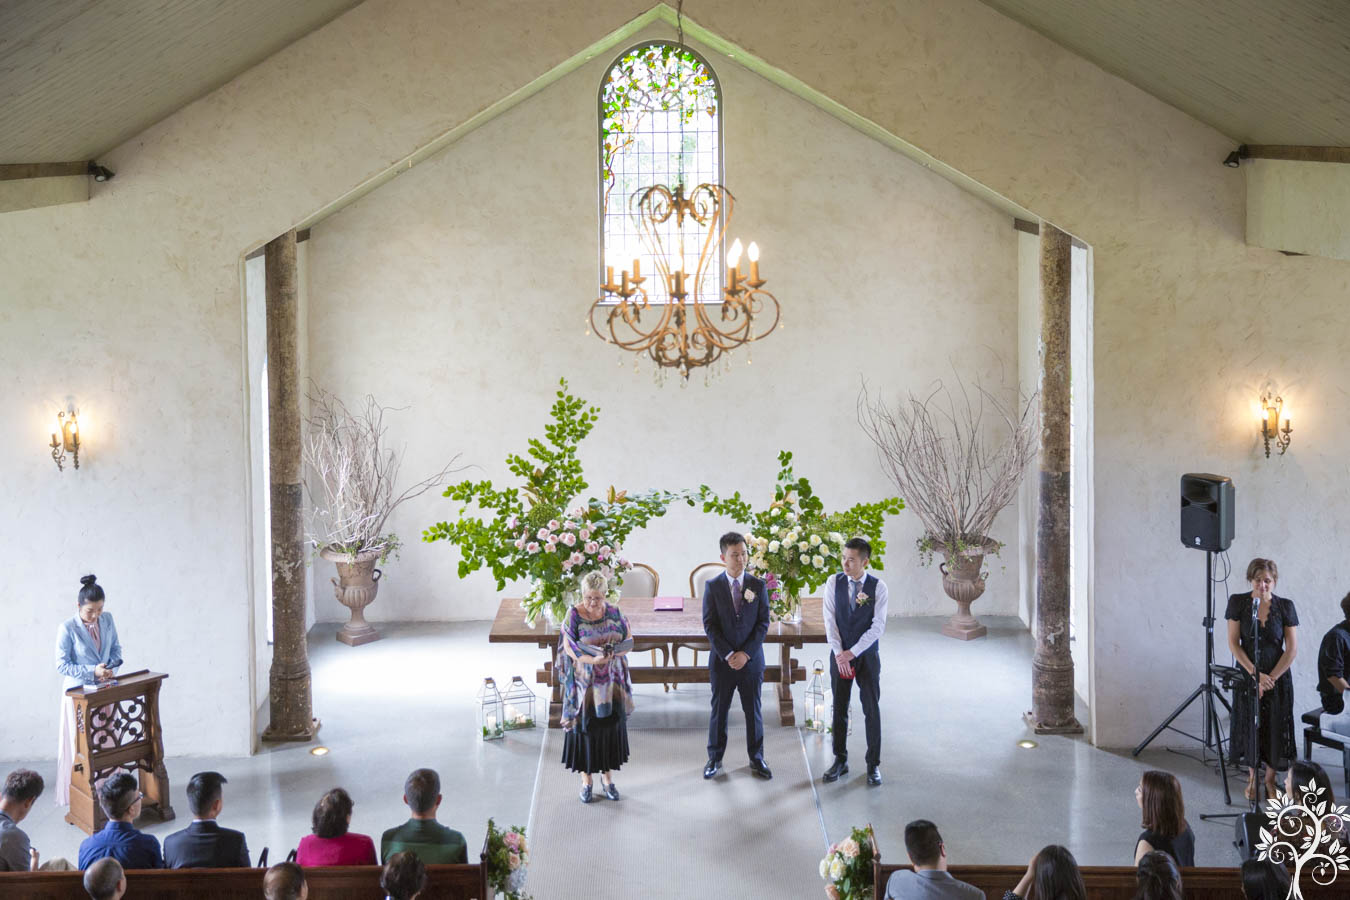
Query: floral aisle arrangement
(847, 867)
(794, 542)
(540, 531)
(508, 854)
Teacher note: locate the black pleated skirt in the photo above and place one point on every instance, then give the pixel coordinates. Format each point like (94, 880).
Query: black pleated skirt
(602, 747)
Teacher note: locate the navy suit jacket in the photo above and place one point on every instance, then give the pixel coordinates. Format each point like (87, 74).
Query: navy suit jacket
(725, 631)
(205, 845)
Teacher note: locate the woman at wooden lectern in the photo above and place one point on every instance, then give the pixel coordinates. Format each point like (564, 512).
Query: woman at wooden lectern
(87, 652)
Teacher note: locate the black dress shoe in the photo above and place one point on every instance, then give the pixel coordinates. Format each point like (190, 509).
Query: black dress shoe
(835, 771)
(712, 768)
(759, 768)
(874, 775)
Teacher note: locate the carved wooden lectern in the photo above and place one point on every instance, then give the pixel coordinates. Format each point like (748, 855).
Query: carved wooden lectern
(117, 727)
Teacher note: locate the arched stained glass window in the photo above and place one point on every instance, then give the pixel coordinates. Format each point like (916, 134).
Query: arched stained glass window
(660, 123)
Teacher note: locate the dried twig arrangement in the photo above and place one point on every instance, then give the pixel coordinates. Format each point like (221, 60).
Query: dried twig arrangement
(937, 453)
(353, 477)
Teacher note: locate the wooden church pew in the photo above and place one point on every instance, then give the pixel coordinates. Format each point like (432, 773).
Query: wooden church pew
(1117, 882)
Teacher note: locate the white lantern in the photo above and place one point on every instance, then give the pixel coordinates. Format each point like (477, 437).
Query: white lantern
(816, 700)
(491, 712)
(519, 705)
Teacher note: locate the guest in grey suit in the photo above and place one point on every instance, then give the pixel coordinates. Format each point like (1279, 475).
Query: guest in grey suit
(930, 879)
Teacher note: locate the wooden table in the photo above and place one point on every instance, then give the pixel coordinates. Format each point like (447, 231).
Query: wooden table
(661, 630)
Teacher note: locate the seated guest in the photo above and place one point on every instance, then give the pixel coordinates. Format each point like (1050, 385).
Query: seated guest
(1165, 828)
(404, 876)
(422, 834)
(332, 844)
(1158, 878)
(120, 798)
(204, 844)
(930, 879)
(1264, 880)
(105, 880)
(1333, 673)
(1052, 874)
(285, 881)
(22, 788)
(1302, 784)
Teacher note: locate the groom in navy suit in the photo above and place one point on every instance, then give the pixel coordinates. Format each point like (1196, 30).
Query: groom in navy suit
(736, 618)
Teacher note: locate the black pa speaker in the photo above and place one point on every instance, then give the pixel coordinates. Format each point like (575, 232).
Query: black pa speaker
(1206, 511)
(1247, 833)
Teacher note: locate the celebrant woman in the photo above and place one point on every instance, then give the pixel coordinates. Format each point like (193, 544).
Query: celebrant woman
(597, 692)
(1277, 646)
(87, 652)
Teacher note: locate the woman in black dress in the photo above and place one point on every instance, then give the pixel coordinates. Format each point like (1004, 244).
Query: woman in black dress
(1278, 645)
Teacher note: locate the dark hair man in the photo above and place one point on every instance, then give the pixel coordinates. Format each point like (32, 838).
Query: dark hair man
(422, 834)
(930, 879)
(854, 606)
(120, 797)
(1333, 673)
(204, 844)
(22, 788)
(285, 881)
(736, 619)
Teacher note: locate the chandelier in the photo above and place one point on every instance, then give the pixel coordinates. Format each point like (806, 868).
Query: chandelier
(689, 321)
(681, 319)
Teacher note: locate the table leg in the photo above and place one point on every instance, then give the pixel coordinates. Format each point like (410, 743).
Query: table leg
(786, 713)
(555, 700)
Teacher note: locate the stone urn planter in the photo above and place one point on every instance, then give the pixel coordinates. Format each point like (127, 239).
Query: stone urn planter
(963, 581)
(356, 585)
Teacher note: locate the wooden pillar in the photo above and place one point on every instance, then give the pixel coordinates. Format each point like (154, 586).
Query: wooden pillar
(1052, 667)
(291, 703)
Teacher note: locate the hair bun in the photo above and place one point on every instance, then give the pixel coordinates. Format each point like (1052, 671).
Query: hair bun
(88, 579)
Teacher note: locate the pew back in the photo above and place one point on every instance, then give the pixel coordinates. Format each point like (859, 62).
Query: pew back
(460, 882)
(1112, 882)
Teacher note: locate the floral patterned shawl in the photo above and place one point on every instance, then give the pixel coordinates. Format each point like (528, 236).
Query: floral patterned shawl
(594, 691)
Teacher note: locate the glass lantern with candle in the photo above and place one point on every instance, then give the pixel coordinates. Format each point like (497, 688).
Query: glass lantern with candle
(491, 711)
(817, 700)
(519, 705)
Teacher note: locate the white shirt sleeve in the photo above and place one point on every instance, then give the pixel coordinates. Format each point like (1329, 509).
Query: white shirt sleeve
(873, 634)
(827, 609)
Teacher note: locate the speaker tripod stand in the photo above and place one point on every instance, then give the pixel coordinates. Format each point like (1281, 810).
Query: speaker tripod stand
(1212, 735)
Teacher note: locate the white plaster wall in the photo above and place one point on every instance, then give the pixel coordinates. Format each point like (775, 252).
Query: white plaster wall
(459, 289)
(141, 287)
(1302, 207)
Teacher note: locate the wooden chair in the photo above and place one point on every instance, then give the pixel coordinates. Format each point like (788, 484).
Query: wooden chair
(642, 582)
(702, 574)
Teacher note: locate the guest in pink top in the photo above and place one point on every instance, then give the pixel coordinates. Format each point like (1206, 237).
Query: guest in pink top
(332, 844)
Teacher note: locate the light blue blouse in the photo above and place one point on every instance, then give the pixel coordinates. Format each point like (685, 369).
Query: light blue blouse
(76, 656)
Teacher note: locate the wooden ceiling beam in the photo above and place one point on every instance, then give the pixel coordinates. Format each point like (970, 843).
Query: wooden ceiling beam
(17, 171)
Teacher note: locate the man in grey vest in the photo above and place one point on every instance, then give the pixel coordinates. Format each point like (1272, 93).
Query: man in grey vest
(855, 618)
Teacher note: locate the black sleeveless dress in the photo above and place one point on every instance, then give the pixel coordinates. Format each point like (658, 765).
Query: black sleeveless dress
(1275, 740)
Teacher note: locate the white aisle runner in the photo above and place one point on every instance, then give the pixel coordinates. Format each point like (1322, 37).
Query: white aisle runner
(674, 835)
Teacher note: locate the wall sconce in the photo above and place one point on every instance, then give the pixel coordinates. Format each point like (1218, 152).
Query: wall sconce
(66, 439)
(1271, 407)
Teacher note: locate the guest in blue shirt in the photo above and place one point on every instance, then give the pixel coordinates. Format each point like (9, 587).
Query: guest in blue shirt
(87, 652)
(120, 798)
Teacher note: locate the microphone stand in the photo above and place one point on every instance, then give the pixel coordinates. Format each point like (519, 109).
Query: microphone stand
(1253, 737)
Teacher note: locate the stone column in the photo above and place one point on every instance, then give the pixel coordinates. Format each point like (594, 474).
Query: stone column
(289, 688)
(1052, 667)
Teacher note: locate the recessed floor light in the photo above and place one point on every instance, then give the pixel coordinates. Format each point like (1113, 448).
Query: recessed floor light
(1027, 745)
(323, 751)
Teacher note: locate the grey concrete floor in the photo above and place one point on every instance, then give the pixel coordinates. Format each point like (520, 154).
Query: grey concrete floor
(952, 717)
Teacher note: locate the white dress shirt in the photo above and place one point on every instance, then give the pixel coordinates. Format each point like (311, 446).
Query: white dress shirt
(872, 635)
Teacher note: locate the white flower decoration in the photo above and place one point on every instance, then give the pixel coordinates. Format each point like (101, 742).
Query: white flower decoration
(803, 546)
(773, 546)
(815, 540)
(818, 561)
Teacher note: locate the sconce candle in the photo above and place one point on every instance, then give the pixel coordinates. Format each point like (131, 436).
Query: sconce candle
(1271, 407)
(66, 439)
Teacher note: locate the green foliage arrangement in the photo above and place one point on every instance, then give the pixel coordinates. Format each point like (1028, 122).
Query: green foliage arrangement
(847, 868)
(794, 541)
(540, 531)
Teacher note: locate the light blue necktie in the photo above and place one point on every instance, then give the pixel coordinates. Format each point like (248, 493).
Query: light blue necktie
(853, 585)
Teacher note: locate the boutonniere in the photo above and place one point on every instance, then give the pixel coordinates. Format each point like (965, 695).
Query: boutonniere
(748, 596)
(861, 598)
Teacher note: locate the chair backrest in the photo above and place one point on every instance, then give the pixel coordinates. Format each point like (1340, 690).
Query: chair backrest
(640, 581)
(701, 575)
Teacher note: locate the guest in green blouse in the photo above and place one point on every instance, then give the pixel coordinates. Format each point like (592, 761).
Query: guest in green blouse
(422, 834)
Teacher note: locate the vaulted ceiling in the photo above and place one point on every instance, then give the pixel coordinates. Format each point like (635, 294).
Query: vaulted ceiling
(1259, 71)
(78, 77)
